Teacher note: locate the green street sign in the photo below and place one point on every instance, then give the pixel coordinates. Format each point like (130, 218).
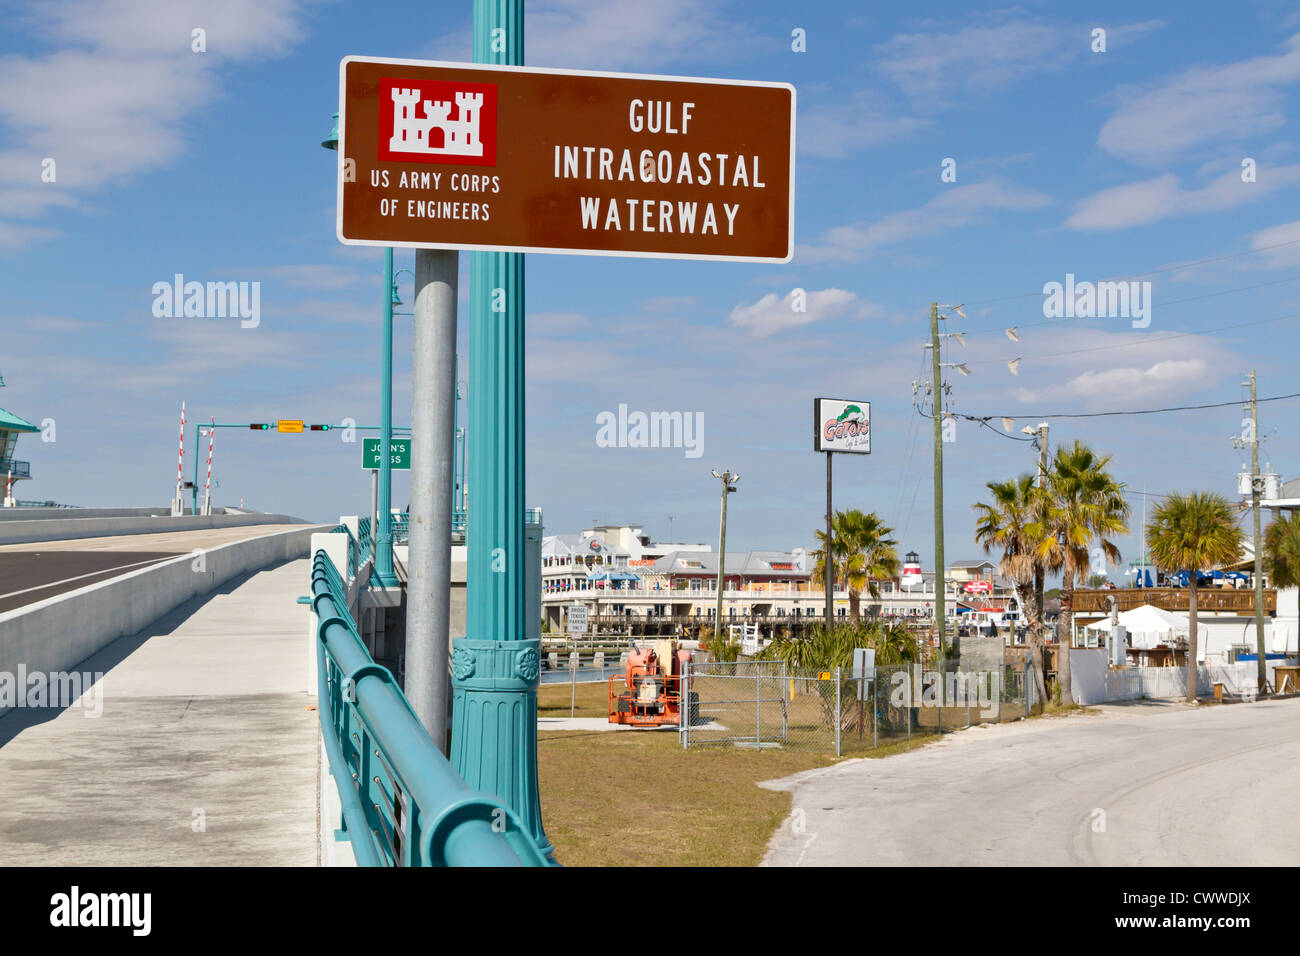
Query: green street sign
(400, 448)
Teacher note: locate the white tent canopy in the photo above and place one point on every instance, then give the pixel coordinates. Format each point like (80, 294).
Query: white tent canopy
(1148, 626)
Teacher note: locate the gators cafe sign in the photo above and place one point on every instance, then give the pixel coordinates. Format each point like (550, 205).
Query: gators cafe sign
(840, 425)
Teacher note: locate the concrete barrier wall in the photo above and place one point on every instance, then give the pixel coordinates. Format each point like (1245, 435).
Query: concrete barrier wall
(64, 529)
(61, 632)
(60, 514)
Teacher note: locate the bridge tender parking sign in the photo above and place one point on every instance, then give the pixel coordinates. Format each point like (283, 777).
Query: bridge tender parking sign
(840, 425)
(522, 159)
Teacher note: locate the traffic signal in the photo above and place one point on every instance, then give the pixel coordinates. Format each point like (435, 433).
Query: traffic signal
(320, 428)
(259, 427)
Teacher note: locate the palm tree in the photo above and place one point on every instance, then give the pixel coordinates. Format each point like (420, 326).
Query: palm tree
(1193, 532)
(861, 554)
(1007, 525)
(1282, 552)
(1083, 504)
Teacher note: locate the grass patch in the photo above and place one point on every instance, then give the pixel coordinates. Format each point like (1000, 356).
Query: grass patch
(1064, 710)
(592, 700)
(635, 798)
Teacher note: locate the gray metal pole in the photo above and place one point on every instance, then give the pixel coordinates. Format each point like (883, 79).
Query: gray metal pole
(1262, 669)
(722, 560)
(837, 712)
(828, 561)
(428, 585)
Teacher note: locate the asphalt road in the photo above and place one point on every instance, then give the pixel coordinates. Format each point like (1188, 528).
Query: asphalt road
(34, 572)
(1136, 785)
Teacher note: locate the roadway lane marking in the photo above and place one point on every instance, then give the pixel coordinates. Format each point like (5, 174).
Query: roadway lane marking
(91, 574)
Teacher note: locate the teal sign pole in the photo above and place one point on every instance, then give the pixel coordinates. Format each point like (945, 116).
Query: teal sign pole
(381, 542)
(494, 668)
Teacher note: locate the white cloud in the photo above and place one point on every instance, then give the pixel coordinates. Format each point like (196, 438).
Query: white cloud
(14, 236)
(952, 208)
(317, 278)
(1122, 384)
(773, 313)
(1163, 197)
(1203, 106)
(110, 98)
(837, 131)
(931, 67)
(1284, 256)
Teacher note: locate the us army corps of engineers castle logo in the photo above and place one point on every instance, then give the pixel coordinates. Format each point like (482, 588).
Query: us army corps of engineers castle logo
(438, 122)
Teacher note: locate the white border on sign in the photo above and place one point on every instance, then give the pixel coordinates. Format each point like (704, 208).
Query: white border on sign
(447, 64)
(817, 427)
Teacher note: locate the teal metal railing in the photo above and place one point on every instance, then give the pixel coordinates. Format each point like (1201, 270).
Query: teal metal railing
(459, 522)
(363, 538)
(403, 803)
(353, 550)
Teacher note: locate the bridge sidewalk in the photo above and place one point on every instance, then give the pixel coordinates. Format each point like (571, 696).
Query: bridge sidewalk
(205, 752)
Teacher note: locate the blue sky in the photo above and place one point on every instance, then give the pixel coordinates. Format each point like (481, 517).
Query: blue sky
(1096, 164)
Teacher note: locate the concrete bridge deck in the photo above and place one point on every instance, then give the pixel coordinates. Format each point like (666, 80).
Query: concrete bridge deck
(205, 752)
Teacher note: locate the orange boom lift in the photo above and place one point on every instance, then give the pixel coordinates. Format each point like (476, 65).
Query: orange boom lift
(649, 692)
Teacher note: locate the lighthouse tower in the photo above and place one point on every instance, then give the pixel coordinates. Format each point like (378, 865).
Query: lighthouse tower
(911, 575)
(11, 469)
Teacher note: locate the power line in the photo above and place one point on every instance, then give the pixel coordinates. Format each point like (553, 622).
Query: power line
(1143, 411)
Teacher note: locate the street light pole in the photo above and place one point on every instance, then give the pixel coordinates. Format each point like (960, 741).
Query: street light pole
(728, 487)
(381, 538)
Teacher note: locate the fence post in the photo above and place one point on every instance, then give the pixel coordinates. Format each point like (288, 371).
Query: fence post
(1029, 684)
(684, 728)
(837, 711)
(942, 680)
(758, 704)
(909, 701)
(573, 682)
(875, 710)
(785, 707)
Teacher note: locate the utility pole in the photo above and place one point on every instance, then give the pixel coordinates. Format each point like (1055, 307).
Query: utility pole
(1259, 556)
(728, 487)
(937, 403)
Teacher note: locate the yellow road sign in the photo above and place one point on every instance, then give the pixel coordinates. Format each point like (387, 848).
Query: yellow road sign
(288, 425)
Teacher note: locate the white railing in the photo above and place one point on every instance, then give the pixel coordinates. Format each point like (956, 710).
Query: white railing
(668, 595)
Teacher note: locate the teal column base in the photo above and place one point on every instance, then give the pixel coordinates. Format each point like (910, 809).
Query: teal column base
(384, 575)
(494, 724)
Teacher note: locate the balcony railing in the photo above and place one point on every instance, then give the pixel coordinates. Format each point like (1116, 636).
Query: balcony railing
(756, 595)
(19, 469)
(1231, 600)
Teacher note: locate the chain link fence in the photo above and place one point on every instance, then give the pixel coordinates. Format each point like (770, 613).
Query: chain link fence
(768, 704)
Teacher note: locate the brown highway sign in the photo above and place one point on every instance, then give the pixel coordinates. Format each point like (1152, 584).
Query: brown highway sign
(522, 159)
